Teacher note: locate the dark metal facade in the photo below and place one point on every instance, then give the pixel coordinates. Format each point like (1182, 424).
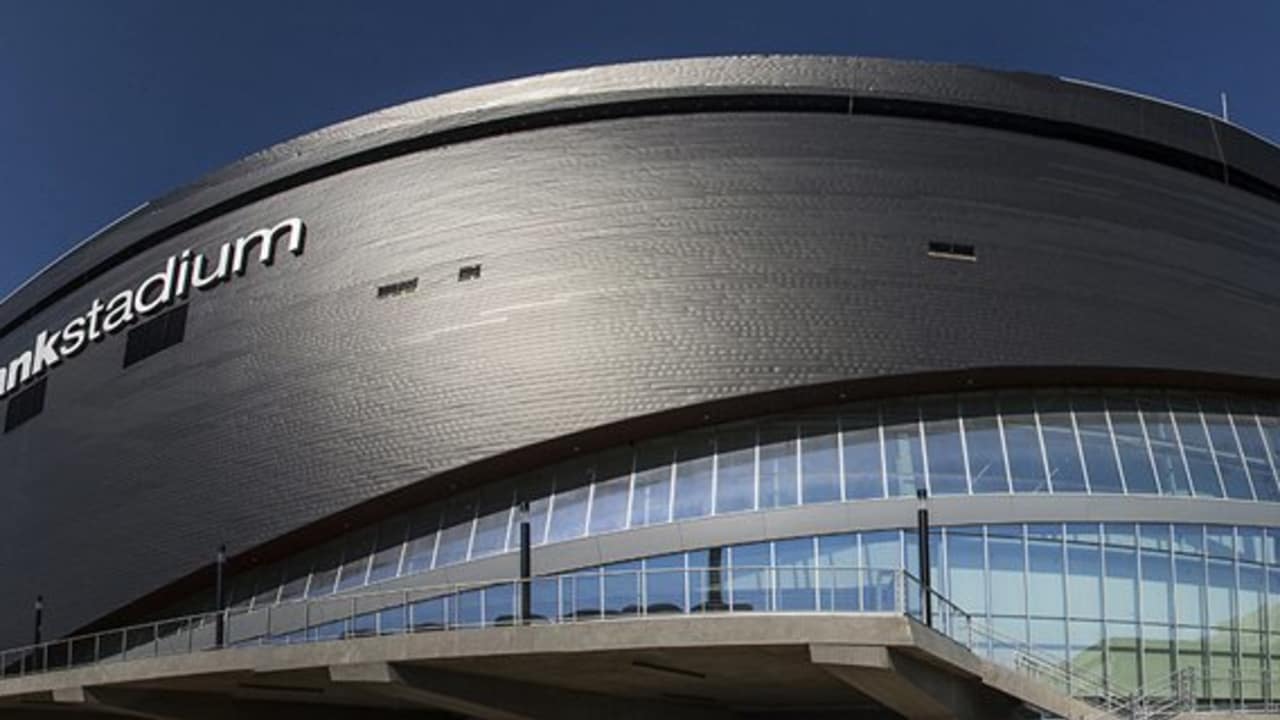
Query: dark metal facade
(633, 263)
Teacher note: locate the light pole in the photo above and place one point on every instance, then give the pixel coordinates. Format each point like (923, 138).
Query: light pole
(219, 623)
(526, 566)
(922, 539)
(39, 618)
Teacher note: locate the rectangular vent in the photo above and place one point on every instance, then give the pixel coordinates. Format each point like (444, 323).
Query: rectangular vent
(25, 405)
(953, 251)
(468, 272)
(159, 333)
(404, 287)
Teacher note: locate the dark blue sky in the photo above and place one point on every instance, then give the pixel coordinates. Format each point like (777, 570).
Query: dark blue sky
(104, 105)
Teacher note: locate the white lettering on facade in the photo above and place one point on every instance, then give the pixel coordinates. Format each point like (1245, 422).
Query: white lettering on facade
(189, 269)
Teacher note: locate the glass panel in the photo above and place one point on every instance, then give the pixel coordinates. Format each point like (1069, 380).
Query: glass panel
(863, 466)
(1264, 480)
(324, 574)
(1253, 670)
(1223, 439)
(982, 441)
(943, 446)
(904, 460)
(1253, 598)
(1195, 445)
(1084, 581)
(239, 596)
(468, 609)
(966, 576)
(1221, 595)
(1008, 579)
(609, 503)
(1049, 638)
(297, 573)
(1271, 434)
(1189, 590)
(455, 537)
(1047, 579)
(664, 584)
(1154, 536)
(651, 501)
(1157, 656)
(267, 589)
(494, 514)
(736, 470)
(545, 598)
(1247, 430)
(1220, 541)
(386, 555)
(569, 506)
(695, 461)
(430, 614)
(580, 595)
(795, 560)
(1065, 474)
(1095, 441)
(881, 550)
(1171, 472)
(1083, 533)
(1250, 544)
(1086, 648)
(1010, 635)
(1022, 440)
(838, 578)
(1190, 650)
(820, 461)
(778, 487)
(622, 588)
(355, 559)
(1121, 585)
(1188, 539)
(751, 579)
(1122, 657)
(1122, 534)
(1131, 444)
(500, 604)
(1222, 670)
(707, 575)
(1157, 587)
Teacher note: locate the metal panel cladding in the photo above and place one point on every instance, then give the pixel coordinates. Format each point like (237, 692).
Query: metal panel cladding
(650, 237)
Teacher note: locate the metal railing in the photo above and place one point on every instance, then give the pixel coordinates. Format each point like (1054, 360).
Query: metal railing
(567, 598)
(620, 594)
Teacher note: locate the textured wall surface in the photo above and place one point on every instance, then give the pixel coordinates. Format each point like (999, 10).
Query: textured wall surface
(630, 266)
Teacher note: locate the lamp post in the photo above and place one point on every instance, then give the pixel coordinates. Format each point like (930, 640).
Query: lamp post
(39, 618)
(526, 566)
(218, 600)
(922, 539)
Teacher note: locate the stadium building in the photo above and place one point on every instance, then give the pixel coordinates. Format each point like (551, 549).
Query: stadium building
(631, 391)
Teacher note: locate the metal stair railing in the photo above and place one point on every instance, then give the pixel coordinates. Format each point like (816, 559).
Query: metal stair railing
(1158, 699)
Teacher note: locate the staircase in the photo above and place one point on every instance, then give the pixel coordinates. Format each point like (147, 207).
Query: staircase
(1158, 698)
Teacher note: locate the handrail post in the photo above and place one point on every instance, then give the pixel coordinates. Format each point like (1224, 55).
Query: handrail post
(900, 594)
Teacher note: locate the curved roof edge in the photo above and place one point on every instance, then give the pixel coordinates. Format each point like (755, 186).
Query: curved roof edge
(1220, 148)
